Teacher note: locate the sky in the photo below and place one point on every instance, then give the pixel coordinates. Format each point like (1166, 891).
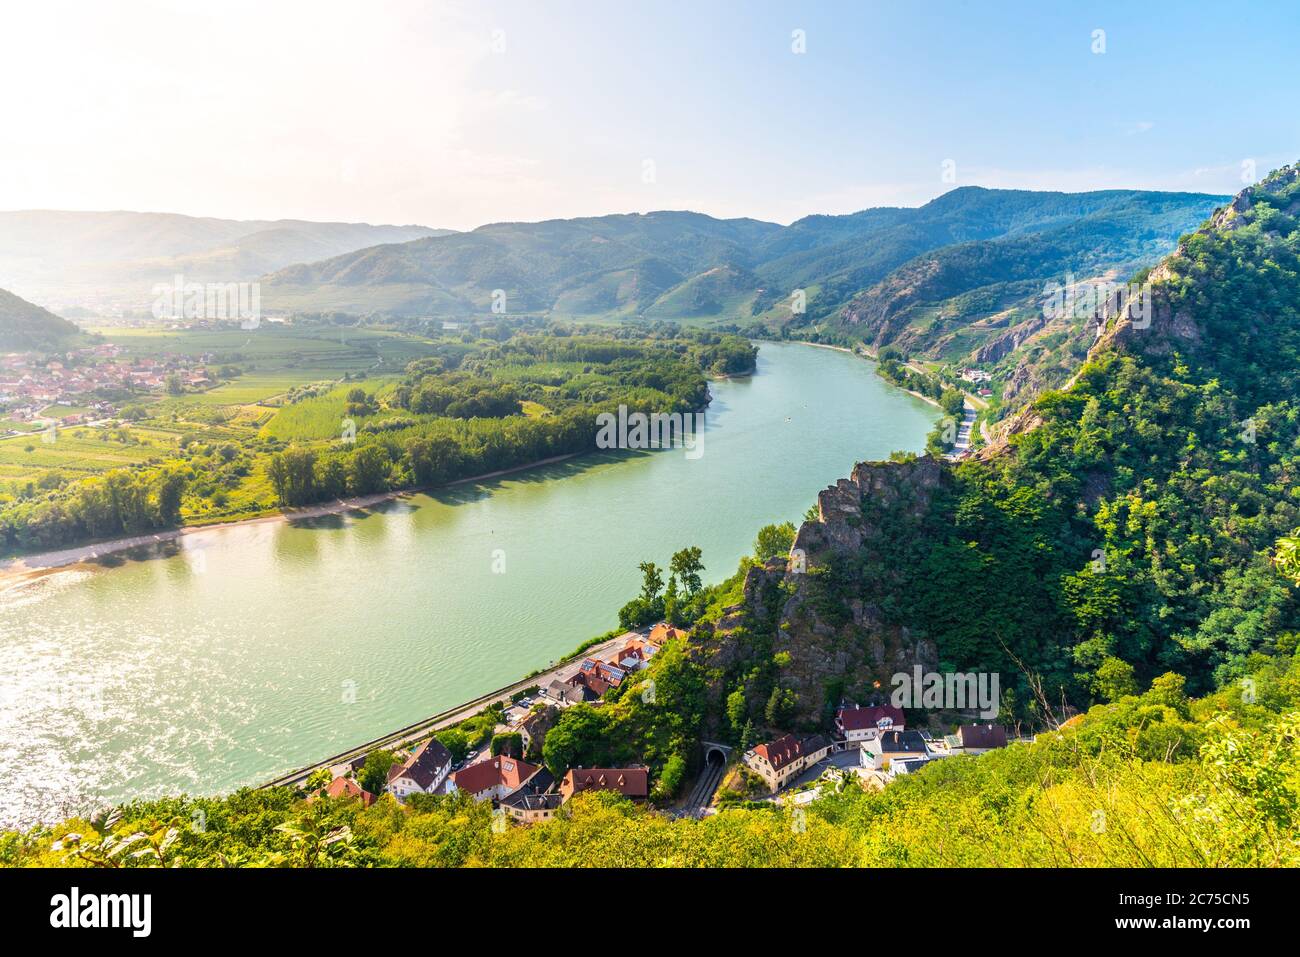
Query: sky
(452, 114)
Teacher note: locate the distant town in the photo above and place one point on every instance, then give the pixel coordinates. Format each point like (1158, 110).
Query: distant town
(92, 381)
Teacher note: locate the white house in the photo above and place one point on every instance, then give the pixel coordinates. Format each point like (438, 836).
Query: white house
(862, 724)
(891, 746)
(781, 761)
(493, 778)
(423, 772)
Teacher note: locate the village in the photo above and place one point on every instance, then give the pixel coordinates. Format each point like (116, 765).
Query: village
(870, 744)
(91, 380)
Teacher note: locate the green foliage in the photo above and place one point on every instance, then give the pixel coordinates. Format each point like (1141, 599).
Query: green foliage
(1114, 679)
(374, 773)
(774, 541)
(1131, 784)
(509, 743)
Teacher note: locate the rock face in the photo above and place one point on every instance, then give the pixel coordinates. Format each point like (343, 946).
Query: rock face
(840, 526)
(536, 725)
(833, 642)
(1011, 340)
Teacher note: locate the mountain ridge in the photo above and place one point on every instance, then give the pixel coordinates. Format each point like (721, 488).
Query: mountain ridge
(539, 265)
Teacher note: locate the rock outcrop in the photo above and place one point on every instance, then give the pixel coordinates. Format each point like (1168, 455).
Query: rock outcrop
(834, 642)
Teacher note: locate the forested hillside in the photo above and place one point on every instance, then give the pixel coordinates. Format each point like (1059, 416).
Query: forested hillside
(1125, 560)
(1152, 780)
(1129, 523)
(689, 267)
(27, 327)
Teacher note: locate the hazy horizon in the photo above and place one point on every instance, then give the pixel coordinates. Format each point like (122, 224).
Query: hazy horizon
(648, 212)
(455, 115)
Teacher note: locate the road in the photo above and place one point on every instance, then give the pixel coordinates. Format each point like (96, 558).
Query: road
(702, 794)
(962, 445)
(445, 719)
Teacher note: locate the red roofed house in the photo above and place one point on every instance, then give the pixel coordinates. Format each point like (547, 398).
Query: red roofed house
(634, 655)
(978, 738)
(779, 762)
(346, 787)
(664, 632)
(423, 772)
(633, 782)
(863, 724)
(493, 778)
(591, 681)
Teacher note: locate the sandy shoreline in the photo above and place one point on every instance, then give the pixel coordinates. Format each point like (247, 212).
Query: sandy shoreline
(854, 352)
(26, 567)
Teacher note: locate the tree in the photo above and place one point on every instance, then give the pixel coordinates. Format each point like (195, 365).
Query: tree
(1115, 680)
(293, 475)
(737, 709)
(581, 736)
(1168, 690)
(510, 743)
(686, 566)
(374, 773)
(318, 779)
(671, 777)
(638, 612)
(455, 741)
(652, 581)
(671, 601)
(780, 706)
(368, 470)
(170, 488)
(774, 541)
(1287, 557)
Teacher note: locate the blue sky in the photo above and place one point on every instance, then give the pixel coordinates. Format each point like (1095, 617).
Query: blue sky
(455, 114)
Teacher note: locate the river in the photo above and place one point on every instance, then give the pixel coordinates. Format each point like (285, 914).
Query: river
(247, 651)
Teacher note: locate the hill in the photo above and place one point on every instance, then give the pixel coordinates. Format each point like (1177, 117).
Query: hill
(1128, 521)
(24, 327)
(114, 258)
(983, 303)
(683, 266)
(1113, 558)
(579, 267)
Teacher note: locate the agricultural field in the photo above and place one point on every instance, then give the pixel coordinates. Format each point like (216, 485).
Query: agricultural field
(321, 417)
(79, 450)
(259, 369)
(255, 420)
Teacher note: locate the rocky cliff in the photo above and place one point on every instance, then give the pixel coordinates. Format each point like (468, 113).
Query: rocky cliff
(828, 636)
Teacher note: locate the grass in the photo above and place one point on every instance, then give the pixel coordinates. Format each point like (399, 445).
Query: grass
(74, 451)
(59, 411)
(322, 417)
(272, 360)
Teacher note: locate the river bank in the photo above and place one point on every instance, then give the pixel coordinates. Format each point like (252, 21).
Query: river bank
(874, 358)
(22, 568)
(221, 662)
